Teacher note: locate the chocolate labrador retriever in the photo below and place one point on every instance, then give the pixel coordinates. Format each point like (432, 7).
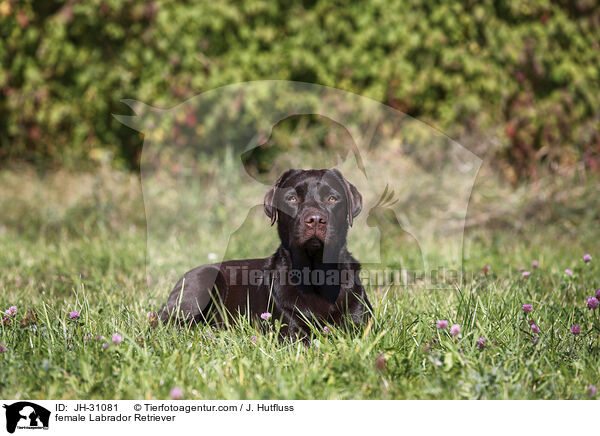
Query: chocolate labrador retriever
(311, 277)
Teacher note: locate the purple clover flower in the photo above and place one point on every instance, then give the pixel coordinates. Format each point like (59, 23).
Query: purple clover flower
(455, 330)
(575, 329)
(521, 268)
(592, 390)
(535, 340)
(152, 319)
(74, 315)
(587, 258)
(87, 337)
(326, 329)
(598, 294)
(265, 315)
(176, 393)
(105, 345)
(592, 302)
(535, 328)
(526, 274)
(11, 311)
(442, 324)
(569, 272)
(253, 339)
(116, 338)
(481, 343)
(535, 264)
(3, 349)
(527, 308)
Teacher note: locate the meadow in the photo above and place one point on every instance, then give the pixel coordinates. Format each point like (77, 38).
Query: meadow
(73, 257)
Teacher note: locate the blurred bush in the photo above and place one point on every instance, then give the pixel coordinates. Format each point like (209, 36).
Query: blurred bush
(525, 73)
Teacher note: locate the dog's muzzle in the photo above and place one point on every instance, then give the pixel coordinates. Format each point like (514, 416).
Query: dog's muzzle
(315, 225)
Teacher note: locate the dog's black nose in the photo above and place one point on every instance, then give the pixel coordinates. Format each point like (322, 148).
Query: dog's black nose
(313, 220)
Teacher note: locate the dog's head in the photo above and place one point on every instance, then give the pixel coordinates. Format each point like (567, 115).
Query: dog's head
(313, 209)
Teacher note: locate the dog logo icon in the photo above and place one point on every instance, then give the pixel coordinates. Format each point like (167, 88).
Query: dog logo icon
(26, 415)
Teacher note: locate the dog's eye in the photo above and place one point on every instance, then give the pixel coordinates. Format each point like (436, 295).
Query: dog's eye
(292, 199)
(332, 199)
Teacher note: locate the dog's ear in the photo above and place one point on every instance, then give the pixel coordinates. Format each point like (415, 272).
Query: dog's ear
(353, 197)
(269, 202)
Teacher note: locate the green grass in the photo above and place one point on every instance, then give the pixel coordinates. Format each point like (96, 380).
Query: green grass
(52, 264)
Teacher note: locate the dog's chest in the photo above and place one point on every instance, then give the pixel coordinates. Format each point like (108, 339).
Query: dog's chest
(312, 303)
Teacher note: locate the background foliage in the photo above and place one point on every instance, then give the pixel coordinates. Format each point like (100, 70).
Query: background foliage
(522, 73)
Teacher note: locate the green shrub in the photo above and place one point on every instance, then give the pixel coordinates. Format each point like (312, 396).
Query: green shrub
(524, 72)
